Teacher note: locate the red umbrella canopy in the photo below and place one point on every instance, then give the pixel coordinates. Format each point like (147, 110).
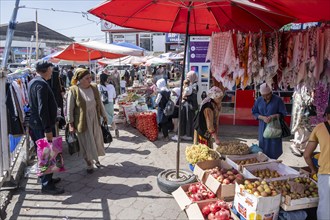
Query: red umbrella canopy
(206, 16)
(303, 10)
(93, 50)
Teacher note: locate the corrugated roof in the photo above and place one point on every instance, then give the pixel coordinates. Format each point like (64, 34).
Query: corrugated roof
(26, 29)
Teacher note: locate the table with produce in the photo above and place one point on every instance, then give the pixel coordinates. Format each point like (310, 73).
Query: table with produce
(134, 109)
(234, 183)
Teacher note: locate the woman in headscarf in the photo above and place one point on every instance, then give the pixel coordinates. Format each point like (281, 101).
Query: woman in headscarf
(164, 94)
(109, 99)
(266, 108)
(85, 110)
(188, 111)
(176, 92)
(208, 118)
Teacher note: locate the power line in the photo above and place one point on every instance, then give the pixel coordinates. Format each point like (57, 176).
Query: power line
(84, 14)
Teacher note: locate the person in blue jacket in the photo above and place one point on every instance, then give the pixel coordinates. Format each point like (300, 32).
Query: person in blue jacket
(266, 108)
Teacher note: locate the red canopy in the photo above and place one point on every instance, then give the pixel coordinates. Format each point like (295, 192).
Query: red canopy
(303, 10)
(206, 16)
(93, 50)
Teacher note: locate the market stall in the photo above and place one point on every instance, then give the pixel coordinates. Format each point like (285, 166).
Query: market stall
(244, 186)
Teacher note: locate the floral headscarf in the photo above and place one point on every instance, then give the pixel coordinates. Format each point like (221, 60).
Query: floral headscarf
(213, 93)
(192, 77)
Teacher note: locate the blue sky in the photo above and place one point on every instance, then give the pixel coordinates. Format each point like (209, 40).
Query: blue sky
(69, 24)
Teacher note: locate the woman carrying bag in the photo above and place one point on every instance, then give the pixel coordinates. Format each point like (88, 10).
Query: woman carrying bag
(85, 110)
(108, 95)
(267, 109)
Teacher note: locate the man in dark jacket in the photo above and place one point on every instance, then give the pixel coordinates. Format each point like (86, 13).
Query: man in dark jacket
(43, 116)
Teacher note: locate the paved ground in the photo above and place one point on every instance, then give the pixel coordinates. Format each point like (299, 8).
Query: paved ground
(125, 188)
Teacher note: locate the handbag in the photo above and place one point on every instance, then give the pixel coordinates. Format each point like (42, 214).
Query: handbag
(273, 129)
(72, 141)
(310, 110)
(286, 132)
(107, 137)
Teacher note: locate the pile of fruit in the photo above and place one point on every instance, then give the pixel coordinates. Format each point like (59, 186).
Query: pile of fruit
(199, 153)
(131, 97)
(233, 148)
(299, 187)
(259, 188)
(146, 123)
(198, 192)
(217, 210)
(266, 173)
(247, 161)
(225, 176)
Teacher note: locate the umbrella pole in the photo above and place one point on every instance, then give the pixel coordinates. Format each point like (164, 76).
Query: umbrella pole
(181, 86)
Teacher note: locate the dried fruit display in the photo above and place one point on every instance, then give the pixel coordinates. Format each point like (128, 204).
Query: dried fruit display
(266, 173)
(247, 161)
(200, 152)
(259, 188)
(299, 187)
(233, 148)
(225, 176)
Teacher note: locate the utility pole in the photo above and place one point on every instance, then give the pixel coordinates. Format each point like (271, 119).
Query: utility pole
(37, 37)
(4, 145)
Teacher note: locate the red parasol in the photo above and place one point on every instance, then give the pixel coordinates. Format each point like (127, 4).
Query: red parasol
(206, 16)
(92, 50)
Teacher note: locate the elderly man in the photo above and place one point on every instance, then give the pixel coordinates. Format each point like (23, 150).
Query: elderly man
(321, 135)
(43, 116)
(267, 108)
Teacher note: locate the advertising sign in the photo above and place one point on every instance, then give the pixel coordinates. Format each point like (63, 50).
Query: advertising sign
(198, 49)
(174, 38)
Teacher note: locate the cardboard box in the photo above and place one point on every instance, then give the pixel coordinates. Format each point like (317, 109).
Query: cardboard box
(181, 197)
(194, 211)
(231, 160)
(289, 204)
(200, 167)
(253, 208)
(225, 192)
(284, 170)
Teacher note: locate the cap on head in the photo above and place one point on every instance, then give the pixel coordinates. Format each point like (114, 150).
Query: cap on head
(265, 89)
(42, 66)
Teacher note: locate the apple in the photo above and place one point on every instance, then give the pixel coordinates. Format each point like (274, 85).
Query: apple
(192, 189)
(210, 216)
(226, 181)
(211, 195)
(206, 210)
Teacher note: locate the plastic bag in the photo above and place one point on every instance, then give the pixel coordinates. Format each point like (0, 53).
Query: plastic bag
(50, 159)
(273, 129)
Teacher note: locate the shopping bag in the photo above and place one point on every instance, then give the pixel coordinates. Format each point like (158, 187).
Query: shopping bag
(286, 132)
(107, 137)
(273, 129)
(72, 141)
(50, 159)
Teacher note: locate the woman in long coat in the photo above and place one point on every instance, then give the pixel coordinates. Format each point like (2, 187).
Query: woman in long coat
(85, 110)
(266, 108)
(187, 115)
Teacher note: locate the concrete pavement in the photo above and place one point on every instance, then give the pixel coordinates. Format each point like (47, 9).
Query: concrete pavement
(124, 188)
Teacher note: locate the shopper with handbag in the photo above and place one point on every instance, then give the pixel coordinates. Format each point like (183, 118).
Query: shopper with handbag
(321, 136)
(108, 96)
(265, 109)
(85, 109)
